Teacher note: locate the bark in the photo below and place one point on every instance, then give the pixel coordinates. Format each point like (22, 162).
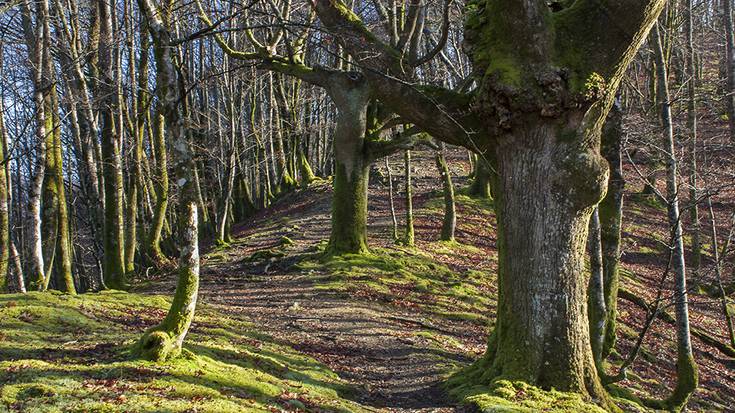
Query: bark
(449, 222)
(352, 166)
(611, 218)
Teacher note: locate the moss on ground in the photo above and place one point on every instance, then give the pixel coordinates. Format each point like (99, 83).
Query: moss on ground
(504, 396)
(409, 277)
(71, 353)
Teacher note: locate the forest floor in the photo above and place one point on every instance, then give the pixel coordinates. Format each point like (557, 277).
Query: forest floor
(282, 329)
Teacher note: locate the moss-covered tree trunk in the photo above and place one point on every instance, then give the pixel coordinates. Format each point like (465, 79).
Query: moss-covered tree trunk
(154, 253)
(55, 225)
(165, 340)
(449, 222)
(64, 253)
(611, 219)
(542, 332)
(136, 185)
(114, 231)
(351, 166)
(480, 186)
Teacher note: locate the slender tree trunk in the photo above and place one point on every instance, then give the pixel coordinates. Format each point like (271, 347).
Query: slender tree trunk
(35, 43)
(729, 65)
(136, 193)
(114, 231)
(611, 218)
(450, 214)
(165, 340)
(390, 198)
(691, 72)
(4, 205)
(155, 255)
(686, 368)
(409, 237)
(718, 273)
(596, 291)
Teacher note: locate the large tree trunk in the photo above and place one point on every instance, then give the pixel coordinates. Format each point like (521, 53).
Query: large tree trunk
(352, 167)
(544, 204)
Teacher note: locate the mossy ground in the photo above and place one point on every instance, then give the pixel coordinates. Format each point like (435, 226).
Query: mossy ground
(71, 353)
(504, 396)
(409, 277)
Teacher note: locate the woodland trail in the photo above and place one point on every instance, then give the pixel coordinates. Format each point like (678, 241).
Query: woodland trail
(371, 344)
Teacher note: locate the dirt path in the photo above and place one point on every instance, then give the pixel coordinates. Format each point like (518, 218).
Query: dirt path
(371, 345)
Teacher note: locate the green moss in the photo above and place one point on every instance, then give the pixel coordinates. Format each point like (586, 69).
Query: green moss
(64, 353)
(518, 397)
(404, 275)
(264, 255)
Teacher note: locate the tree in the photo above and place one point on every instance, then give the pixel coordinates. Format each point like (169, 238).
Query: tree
(686, 367)
(114, 226)
(165, 340)
(547, 76)
(449, 223)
